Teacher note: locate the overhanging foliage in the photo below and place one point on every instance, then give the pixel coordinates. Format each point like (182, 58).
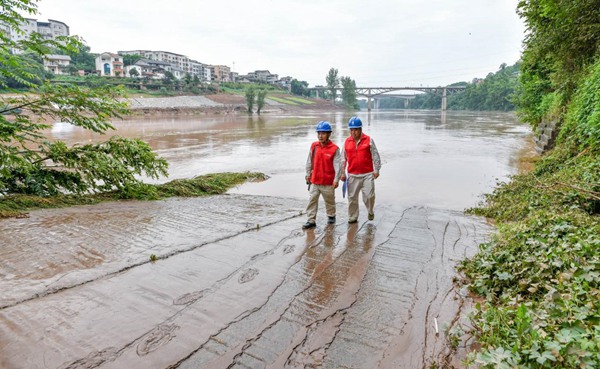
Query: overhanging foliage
(32, 164)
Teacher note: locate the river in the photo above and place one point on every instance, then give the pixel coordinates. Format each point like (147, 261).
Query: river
(431, 159)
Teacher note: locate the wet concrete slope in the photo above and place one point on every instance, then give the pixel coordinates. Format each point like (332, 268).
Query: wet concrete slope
(239, 285)
(55, 249)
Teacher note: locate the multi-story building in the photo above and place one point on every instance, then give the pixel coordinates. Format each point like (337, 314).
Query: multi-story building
(263, 76)
(201, 70)
(285, 82)
(57, 64)
(49, 30)
(181, 63)
(220, 73)
(110, 64)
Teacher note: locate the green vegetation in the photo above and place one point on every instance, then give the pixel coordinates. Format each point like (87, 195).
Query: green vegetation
(285, 100)
(495, 92)
(332, 82)
(260, 99)
(240, 88)
(298, 100)
(349, 92)
(540, 273)
(299, 88)
(81, 59)
(249, 95)
(31, 164)
(211, 184)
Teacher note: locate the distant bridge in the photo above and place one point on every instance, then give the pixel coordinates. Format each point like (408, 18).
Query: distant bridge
(372, 92)
(406, 97)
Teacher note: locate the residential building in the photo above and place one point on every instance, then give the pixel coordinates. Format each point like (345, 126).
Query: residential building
(57, 64)
(147, 68)
(181, 64)
(49, 30)
(220, 73)
(262, 76)
(285, 82)
(109, 64)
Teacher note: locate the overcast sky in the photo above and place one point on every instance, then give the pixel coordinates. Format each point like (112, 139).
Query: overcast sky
(378, 43)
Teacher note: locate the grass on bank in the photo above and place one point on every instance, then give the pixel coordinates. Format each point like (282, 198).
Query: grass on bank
(300, 100)
(540, 273)
(283, 100)
(210, 184)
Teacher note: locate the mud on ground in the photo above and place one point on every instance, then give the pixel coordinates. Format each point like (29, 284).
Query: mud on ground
(236, 283)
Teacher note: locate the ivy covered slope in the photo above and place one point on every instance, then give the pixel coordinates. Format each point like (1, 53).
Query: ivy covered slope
(540, 274)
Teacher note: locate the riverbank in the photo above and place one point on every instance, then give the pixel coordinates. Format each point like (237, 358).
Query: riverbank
(539, 273)
(223, 103)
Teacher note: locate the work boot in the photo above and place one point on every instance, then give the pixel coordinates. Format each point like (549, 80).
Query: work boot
(352, 221)
(371, 216)
(331, 220)
(308, 225)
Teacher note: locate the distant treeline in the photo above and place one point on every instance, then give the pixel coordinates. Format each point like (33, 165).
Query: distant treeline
(494, 92)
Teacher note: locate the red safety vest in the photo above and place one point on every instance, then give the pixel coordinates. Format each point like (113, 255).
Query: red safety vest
(323, 172)
(359, 156)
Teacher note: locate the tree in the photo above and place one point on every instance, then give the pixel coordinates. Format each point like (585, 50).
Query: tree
(333, 82)
(260, 99)
(133, 72)
(131, 59)
(299, 87)
(82, 59)
(169, 77)
(250, 94)
(562, 40)
(30, 163)
(28, 64)
(349, 92)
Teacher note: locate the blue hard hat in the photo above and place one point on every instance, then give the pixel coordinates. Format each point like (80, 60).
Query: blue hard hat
(323, 126)
(355, 122)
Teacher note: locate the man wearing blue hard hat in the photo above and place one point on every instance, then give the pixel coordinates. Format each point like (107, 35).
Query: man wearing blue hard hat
(323, 172)
(361, 158)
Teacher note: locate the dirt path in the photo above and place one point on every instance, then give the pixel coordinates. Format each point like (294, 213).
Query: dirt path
(237, 284)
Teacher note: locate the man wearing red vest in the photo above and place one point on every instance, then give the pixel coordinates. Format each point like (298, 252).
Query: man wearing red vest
(363, 162)
(323, 172)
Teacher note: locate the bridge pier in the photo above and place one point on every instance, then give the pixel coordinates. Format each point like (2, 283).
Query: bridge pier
(444, 99)
(368, 103)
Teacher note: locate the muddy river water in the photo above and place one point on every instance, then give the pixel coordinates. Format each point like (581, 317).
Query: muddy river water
(428, 158)
(237, 283)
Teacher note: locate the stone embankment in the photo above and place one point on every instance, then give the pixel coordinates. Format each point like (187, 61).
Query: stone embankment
(217, 104)
(182, 105)
(544, 139)
(172, 102)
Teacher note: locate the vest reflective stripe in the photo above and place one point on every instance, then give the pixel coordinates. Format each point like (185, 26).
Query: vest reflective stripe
(323, 172)
(359, 157)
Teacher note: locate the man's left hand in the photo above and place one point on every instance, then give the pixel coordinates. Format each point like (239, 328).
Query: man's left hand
(375, 175)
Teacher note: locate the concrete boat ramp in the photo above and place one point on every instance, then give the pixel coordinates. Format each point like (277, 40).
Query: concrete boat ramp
(231, 281)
